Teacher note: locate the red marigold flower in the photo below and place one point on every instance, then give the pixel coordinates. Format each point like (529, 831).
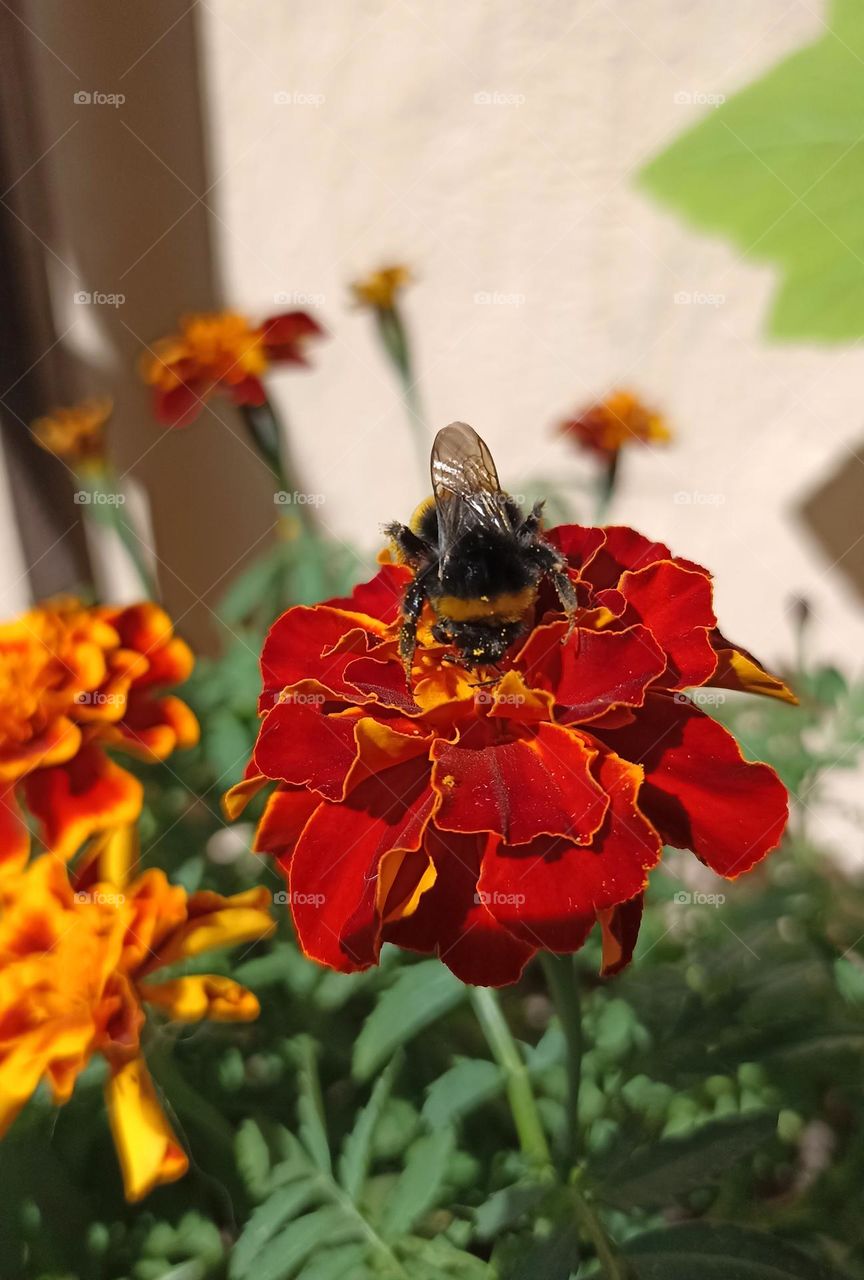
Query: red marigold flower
(72, 682)
(611, 424)
(484, 822)
(221, 351)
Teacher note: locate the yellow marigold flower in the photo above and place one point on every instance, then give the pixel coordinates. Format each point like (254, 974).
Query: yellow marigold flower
(379, 289)
(74, 681)
(79, 960)
(221, 351)
(621, 419)
(77, 433)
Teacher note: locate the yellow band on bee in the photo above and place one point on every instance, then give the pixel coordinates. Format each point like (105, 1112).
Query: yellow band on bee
(509, 606)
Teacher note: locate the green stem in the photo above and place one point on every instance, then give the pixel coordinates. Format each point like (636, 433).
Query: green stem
(607, 484)
(523, 1106)
(104, 500)
(612, 1266)
(564, 989)
(394, 337)
(272, 442)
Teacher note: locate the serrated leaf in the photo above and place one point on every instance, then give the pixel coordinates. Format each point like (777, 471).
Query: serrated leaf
(778, 169)
(655, 1176)
(265, 1221)
(719, 1252)
(357, 1148)
(421, 993)
(253, 1159)
(281, 1256)
(464, 1086)
(310, 1108)
(419, 1184)
(554, 1257)
(504, 1208)
(338, 1264)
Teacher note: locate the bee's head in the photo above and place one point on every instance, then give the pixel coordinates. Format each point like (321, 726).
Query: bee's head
(478, 644)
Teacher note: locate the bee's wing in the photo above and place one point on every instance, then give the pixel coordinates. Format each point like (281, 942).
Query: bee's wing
(465, 485)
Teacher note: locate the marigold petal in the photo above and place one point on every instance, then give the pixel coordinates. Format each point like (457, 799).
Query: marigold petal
(285, 815)
(622, 549)
(699, 791)
(88, 794)
(300, 653)
(675, 604)
(532, 786)
(737, 669)
(304, 747)
(452, 921)
(236, 798)
(334, 870)
(147, 1148)
(14, 836)
(180, 405)
(548, 892)
(593, 670)
(620, 928)
(216, 921)
(203, 995)
(379, 598)
(57, 744)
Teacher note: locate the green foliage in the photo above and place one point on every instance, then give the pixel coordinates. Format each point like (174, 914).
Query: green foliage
(777, 168)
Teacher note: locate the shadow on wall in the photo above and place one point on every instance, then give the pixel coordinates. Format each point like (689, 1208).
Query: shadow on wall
(121, 160)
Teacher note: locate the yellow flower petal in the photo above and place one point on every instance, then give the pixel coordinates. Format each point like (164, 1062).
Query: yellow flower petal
(214, 921)
(203, 996)
(741, 671)
(147, 1148)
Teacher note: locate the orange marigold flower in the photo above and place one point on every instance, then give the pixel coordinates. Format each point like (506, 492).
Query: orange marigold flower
(79, 959)
(379, 289)
(621, 419)
(74, 681)
(221, 351)
(484, 821)
(76, 434)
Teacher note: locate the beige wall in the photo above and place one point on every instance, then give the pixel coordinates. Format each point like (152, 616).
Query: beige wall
(533, 198)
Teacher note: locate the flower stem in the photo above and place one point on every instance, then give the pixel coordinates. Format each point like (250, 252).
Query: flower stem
(606, 486)
(103, 500)
(563, 985)
(523, 1106)
(612, 1267)
(394, 337)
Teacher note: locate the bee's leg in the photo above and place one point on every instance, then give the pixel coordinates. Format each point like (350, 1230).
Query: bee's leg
(555, 569)
(412, 607)
(530, 526)
(412, 549)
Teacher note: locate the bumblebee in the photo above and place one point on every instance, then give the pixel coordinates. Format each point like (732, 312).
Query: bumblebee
(477, 558)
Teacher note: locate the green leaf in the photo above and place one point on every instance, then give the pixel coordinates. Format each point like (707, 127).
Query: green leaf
(419, 1184)
(282, 1255)
(310, 1108)
(719, 1252)
(253, 1159)
(656, 1176)
(357, 1149)
(778, 170)
(466, 1085)
(504, 1208)
(265, 1221)
(337, 1264)
(554, 1256)
(421, 994)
